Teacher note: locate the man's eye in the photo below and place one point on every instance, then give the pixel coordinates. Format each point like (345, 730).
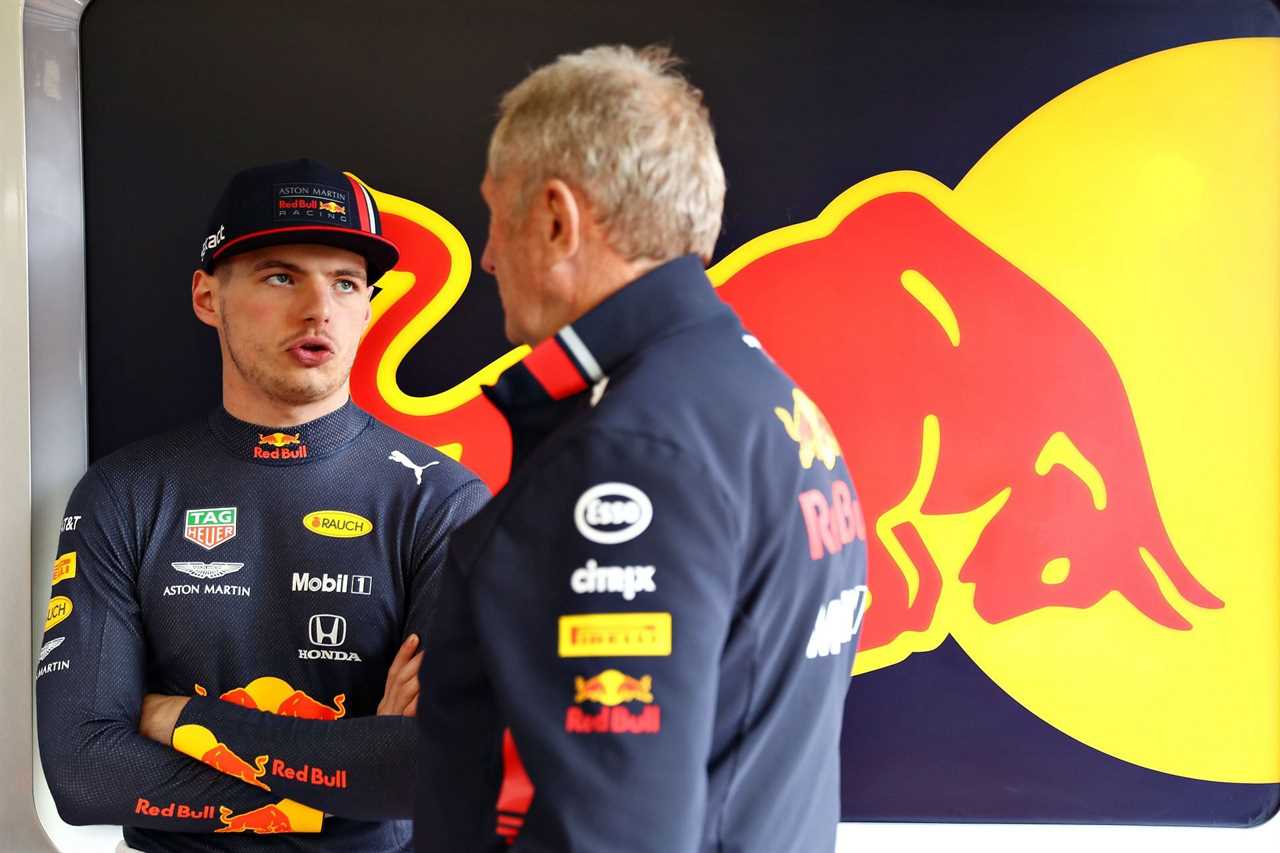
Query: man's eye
(279, 278)
(346, 286)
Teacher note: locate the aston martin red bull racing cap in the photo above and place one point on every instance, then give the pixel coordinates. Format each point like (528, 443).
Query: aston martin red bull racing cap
(298, 201)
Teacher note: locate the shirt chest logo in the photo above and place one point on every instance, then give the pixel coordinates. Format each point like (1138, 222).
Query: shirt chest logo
(210, 527)
(337, 524)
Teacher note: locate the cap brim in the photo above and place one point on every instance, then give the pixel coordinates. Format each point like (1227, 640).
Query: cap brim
(379, 253)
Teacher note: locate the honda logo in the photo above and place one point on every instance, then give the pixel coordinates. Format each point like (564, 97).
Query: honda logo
(327, 629)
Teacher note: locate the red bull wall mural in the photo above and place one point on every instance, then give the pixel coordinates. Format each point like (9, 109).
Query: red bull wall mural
(1026, 261)
(995, 440)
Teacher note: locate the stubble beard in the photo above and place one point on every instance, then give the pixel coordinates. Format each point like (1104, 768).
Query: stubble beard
(307, 385)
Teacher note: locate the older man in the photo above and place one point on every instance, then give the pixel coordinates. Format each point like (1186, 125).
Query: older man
(270, 558)
(664, 601)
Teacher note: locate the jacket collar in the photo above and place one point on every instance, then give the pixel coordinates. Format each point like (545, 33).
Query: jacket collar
(659, 303)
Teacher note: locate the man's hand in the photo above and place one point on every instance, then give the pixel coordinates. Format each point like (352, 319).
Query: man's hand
(401, 693)
(160, 715)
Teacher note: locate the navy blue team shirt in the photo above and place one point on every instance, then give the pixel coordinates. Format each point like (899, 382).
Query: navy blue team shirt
(273, 573)
(662, 604)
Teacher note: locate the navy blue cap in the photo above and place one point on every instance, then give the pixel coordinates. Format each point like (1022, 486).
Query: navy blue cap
(298, 201)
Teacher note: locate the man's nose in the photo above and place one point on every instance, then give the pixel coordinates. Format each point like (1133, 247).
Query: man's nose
(486, 260)
(317, 301)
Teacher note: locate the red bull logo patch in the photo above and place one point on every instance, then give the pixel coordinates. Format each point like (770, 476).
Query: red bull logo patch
(611, 691)
(284, 816)
(834, 522)
(201, 744)
(210, 527)
(277, 696)
(181, 811)
(280, 442)
(808, 428)
(309, 774)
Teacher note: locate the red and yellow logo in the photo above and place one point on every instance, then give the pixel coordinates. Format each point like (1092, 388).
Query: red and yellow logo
(808, 427)
(64, 568)
(611, 690)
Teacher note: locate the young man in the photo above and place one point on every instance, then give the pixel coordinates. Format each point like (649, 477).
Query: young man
(663, 602)
(229, 598)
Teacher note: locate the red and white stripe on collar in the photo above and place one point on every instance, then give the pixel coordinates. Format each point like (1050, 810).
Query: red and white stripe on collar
(563, 365)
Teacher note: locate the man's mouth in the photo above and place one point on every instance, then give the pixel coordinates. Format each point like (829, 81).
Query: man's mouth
(311, 351)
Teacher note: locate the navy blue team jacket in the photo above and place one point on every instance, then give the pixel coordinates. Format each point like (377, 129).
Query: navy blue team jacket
(273, 573)
(662, 604)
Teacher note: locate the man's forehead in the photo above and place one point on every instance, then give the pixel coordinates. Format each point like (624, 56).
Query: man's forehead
(304, 255)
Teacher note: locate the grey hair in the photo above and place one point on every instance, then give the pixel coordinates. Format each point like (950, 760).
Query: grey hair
(624, 128)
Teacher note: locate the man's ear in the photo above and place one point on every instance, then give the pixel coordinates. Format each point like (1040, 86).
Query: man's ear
(204, 299)
(563, 212)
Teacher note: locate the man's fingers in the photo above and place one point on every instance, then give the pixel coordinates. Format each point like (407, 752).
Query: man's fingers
(407, 648)
(409, 672)
(402, 658)
(412, 709)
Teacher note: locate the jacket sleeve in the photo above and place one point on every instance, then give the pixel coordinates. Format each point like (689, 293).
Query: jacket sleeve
(361, 768)
(90, 680)
(599, 602)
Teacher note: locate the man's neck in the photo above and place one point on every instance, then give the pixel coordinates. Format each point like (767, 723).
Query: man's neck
(264, 412)
(608, 274)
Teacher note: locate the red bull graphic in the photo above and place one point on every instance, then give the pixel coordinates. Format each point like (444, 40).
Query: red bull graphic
(1054, 435)
(808, 427)
(201, 744)
(277, 696)
(610, 690)
(279, 439)
(280, 442)
(309, 774)
(182, 811)
(284, 816)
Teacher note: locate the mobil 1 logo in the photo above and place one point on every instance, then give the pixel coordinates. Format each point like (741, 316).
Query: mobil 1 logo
(339, 583)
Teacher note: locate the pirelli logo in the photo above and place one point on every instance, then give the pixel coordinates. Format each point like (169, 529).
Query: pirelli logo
(64, 568)
(594, 635)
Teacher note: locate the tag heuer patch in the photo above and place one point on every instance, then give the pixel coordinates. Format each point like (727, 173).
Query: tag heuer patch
(209, 528)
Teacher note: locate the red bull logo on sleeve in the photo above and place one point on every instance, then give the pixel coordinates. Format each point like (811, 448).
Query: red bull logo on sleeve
(181, 811)
(612, 690)
(832, 523)
(277, 696)
(201, 744)
(284, 816)
(808, 427)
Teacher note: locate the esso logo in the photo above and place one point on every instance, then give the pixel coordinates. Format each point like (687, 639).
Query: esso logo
(611, 513)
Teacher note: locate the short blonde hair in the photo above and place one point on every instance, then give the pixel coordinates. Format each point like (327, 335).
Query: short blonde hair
(628, 131)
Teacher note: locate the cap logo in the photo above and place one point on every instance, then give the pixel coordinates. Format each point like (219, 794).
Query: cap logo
(213, 240)
(311, 202)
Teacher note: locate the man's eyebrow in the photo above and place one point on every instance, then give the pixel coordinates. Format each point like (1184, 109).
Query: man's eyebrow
(274, 262)
(270, 263)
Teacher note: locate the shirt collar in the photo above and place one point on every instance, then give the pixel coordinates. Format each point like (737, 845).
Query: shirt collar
(292, 445)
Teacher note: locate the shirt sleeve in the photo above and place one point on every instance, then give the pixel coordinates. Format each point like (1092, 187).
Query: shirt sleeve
(599, 604)
(361, 768)
(90, 680)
